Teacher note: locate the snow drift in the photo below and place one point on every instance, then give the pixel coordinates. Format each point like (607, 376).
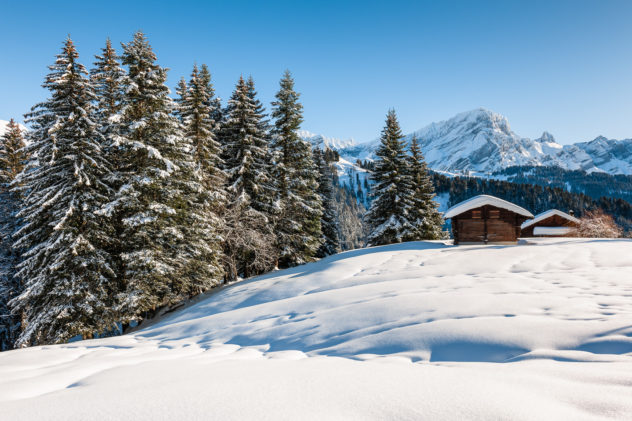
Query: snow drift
(417, 330)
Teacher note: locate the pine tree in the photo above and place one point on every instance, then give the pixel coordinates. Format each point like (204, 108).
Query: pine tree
(67, 272)
(248, 231)
(215, 102)
(329, 219)
(168, 254)
(107, 78)
(245, 151)
(12, 160)
(298, 227)
(12, 155)
(196, 108)
(388, 216)
(424, 214)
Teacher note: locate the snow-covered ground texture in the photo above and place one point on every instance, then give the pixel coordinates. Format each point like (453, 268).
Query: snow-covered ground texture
(480, 141)
(421, 330)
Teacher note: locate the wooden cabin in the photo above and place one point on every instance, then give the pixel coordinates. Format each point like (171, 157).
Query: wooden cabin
(552, 223)
(486, 219)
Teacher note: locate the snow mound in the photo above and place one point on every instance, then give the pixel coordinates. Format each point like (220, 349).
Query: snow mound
(482, 200)
(409, 331)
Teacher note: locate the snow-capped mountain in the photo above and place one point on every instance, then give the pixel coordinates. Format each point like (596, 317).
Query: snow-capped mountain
(323, 142)
(610, 155)
(482, 142)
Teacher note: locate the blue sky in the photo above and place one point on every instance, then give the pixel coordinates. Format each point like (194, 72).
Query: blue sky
(563, 66)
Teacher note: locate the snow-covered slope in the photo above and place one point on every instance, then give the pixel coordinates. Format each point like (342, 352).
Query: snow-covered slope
(410, 331)
(481, 141)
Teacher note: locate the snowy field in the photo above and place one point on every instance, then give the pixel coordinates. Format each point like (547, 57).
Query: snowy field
(539, 331)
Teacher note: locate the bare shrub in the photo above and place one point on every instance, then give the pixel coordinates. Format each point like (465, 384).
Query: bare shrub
(597, 224)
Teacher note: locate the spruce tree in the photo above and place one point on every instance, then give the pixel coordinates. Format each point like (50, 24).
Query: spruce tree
(248, 232)
(12, 155)
(196, 106)
(12, 160)
(330, 243)
(424, 215)
(66, 270)
(107, 78)
(298, 229)
(160, 206)
(388, 218)
(215, 103)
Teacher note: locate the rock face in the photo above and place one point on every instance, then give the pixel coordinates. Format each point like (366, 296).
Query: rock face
(481, 142)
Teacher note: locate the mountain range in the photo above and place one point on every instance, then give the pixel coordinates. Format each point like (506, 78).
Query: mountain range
(481, 142)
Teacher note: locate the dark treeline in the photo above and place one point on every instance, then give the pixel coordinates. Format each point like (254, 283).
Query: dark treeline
(535, 198)
(123, 202)
(595, 184)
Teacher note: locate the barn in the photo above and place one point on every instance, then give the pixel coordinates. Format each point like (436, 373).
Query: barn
(552, 223)
(486, 219)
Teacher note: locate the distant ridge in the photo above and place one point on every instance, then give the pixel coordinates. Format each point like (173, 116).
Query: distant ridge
(481, 142)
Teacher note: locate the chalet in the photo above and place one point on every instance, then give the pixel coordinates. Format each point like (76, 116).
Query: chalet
(552, 223)
(486, 219)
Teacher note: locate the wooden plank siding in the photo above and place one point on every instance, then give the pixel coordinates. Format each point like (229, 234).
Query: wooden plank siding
(551, 221)
(487, 224)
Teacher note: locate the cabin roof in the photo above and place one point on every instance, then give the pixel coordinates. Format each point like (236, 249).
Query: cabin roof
(482, 200)
(544, 215)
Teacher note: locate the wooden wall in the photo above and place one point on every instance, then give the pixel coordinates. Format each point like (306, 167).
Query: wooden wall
(493, 225)
(551, 221)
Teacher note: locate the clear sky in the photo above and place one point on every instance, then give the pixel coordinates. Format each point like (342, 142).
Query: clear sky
(560, 66)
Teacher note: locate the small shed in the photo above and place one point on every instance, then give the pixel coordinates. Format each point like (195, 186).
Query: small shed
(486, 219)
(552, 223)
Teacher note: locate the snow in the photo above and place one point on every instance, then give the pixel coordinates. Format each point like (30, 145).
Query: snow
(482, 200)
(420, 330)
(544, 215)
(552, 230)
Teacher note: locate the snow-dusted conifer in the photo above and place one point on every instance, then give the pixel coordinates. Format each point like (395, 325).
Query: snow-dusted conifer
(107, 78)
(424, 214)
(66, 270)
(12, 161)
(248, 230)
(10, 285)
(388, 216)
(160, 204)
(298, 227)
(196, 107)
(329, 219)
(245, 151)
(12, 154)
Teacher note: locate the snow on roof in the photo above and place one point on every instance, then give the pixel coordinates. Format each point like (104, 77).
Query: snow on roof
(544, 215)
(482, 200)
(551, 230)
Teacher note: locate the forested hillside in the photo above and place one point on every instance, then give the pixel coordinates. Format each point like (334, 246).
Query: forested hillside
(535, 198)
(593, 184)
